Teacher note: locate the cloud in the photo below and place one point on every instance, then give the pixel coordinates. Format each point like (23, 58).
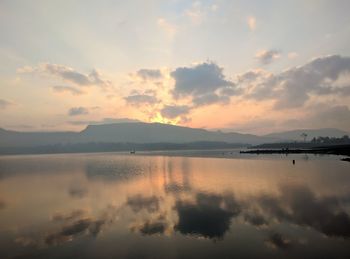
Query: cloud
(276, 240)
(255, 219)
(103, 121)
(151, 228)
(211, 98)
(251, 21)
(173, 111)
(293, 87)
(78, 111)
(149, 73)
(4, 104)
(210, 216)
(252, 75)
(67, 89)
(299, 205)
(73, 215)
(140, 99)
(198, 80)
(68, 74)
(205, 83)
(266, 57)
(139, 202)
(69, 232)
(71, 225)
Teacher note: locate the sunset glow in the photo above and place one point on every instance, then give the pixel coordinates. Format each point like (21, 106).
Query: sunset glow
(210, 64)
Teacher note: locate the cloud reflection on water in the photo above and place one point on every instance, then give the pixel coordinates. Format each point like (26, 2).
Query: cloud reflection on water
(167, 203)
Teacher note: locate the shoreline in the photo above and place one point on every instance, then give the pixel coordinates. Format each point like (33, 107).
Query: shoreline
(343, 150)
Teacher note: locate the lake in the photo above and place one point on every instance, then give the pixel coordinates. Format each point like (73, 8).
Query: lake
(112, 205)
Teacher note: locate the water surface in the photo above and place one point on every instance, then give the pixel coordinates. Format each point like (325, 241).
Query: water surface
(126, 206)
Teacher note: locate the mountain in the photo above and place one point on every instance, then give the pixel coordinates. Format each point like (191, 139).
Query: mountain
(145, 136)
(10, 138)
(157, 132)
(295, 135)
(136, 132)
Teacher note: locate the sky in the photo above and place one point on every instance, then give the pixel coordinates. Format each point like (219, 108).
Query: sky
(245, 66)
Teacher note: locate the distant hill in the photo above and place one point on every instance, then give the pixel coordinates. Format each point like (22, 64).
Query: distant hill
(295, 135)
(136, 132)
(157, 132)
(123, 136)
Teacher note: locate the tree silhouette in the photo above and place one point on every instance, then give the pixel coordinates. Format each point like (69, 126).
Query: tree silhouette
(304, 136)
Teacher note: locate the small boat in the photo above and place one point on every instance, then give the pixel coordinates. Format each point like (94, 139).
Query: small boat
(132, 151)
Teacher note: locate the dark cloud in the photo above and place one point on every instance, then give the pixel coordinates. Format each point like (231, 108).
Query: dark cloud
(177, 188)
(205, 83)
(4, 104)
(73, 215)
(78, 223)
(210, 98)
(141, 99)
(78, 111)
(67, 226)
(149, 73)
(199, 80)
(255, 218)
(298, 205)
(69, 74)
(68, 232)
(68, 89)
(293, 87)
(173, 111)
(267, 56)
(276, 240)
(151, 228)
(210, 216)
(139, 202)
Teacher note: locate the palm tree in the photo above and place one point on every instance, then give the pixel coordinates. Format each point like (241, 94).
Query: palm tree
(304, 136)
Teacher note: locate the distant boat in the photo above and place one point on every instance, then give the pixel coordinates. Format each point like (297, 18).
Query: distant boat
(132, 151)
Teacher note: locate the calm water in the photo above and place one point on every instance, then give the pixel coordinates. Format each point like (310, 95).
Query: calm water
(124, 206)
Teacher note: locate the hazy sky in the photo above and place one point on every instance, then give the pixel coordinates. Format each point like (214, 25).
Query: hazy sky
(251, 66)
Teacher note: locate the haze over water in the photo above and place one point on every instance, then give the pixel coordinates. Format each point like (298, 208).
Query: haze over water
(138, 206)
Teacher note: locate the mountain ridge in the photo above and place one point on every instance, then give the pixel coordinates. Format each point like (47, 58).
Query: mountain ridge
(142, 133)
